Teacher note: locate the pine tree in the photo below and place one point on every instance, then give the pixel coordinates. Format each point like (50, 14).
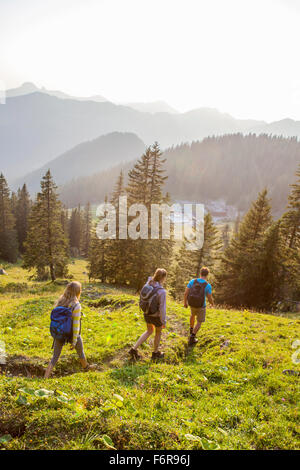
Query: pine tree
(237, 224)
(145, 183)
(117, 249)
(75, 231)
(14, 204)
(86, 223)
(99, 256)
(46, 244)
(64, 217)
(225, 236)
(182, 270)
(211, 246)
(269, 268)
(291, 235)
(8, 235)
(237, 277)
(23, 206)
(188, 263)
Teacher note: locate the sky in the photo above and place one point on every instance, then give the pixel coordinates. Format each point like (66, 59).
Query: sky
(239, 56)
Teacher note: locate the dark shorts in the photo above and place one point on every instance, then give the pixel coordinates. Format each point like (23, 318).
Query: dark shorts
(153, 320)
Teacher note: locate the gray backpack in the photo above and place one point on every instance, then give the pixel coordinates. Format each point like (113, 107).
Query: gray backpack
(149, 299)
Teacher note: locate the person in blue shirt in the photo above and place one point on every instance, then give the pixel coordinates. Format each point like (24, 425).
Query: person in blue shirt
(199, 312)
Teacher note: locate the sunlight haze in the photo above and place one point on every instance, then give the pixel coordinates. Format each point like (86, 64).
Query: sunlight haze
(240, 57)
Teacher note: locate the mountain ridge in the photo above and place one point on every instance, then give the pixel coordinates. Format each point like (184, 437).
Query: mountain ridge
(87, 158)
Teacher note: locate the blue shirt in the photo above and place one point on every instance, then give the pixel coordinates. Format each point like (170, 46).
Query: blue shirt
(207, 288)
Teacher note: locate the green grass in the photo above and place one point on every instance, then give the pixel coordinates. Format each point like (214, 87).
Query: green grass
(228, 392)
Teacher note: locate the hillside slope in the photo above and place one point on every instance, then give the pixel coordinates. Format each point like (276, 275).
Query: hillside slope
(228, 392)
(232, 167)
(88, 158)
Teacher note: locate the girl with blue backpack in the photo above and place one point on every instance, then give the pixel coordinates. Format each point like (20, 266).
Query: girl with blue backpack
(153, 304)
(66, 326)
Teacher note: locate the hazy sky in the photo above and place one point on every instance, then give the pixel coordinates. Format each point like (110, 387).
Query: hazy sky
(240, 56)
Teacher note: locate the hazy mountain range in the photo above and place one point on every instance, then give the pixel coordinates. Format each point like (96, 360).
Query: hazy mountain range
(88, 158)
(41, 128)
(28, 87)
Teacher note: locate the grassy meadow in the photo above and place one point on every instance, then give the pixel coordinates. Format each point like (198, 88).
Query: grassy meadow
(228, 392)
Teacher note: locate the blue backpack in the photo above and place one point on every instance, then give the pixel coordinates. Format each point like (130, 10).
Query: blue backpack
(61, 324)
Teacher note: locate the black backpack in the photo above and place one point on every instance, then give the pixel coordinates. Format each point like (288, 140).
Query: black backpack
(149, 299)
(196, 297)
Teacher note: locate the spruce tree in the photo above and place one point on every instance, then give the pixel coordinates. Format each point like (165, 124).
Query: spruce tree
(237, 276)
(291, 235)
(99, 257)
(117, 249)
(225, 236)
(182, 270)
(269, 268)
(8, 234)
(46, 244)
(23, 206)
(75, 231)
(188, 263)
(86, 228)
(207, 254)
(145, 183)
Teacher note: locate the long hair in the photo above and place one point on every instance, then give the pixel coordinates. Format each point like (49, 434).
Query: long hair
(70, 296)
(159, 275)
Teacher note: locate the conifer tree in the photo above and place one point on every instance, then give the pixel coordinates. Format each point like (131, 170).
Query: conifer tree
(236, 279)
(225, 236)
(182, 270)
(46, 244)
(99, 257)
(291, 236)
(75, 231)
(64, 217)
(207, 254)
(86, 228)
(269, 273)
(188, 263)
(117, 249)
(8, 235)
(23, 206)
(145, 183)
(14, 204)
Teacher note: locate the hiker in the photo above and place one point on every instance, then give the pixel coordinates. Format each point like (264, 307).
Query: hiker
(66, 326)
(195, 296)
(153, 304)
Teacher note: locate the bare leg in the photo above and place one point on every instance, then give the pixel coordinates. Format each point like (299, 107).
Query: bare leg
(197, 327)
(83, 362)
(80, 352)
(144, 336)
(48, 371)
(157, 338)
(192, 320)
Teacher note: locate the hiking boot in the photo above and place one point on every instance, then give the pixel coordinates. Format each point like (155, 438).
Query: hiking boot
(90, 367)
(134, 354)
(192, 340)
(158, 355)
